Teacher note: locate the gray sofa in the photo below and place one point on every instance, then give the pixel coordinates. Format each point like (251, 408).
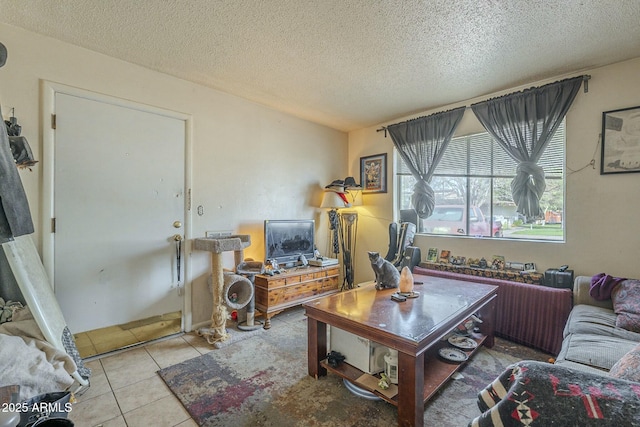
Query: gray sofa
(578, 389)
(591, 341)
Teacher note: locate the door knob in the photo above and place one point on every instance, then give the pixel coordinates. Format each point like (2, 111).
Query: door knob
(177, 237)
(177, 224)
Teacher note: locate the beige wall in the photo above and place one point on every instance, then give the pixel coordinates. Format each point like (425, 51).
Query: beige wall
(249, 162)
(602, 225)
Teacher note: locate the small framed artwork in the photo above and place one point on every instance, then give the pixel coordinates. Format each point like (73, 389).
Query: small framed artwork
(620, 141)
(373, 173)
(444, 256)
(432, 255)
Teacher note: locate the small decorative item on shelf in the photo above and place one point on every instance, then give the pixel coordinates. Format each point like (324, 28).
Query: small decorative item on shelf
(464, 343)
(384, 381)
(453, 355)
(432, 255)
(444, 256)
(334, 359)
(474, 262)
(391, 366)
(497, 262)
(458, 260)
(513, 265)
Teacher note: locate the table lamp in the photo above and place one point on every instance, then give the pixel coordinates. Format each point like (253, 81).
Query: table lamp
(333, 201)
(343, 194)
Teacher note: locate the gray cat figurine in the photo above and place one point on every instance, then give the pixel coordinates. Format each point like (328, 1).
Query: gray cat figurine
(387, 275)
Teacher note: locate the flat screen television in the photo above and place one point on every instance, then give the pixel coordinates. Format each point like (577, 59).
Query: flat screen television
(286, 240)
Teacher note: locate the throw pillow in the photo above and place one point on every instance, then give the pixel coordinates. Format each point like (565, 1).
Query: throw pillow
(626, 304)
(7, 308)
(628, 368)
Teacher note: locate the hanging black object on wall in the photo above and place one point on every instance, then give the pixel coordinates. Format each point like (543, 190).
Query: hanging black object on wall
(560, 277)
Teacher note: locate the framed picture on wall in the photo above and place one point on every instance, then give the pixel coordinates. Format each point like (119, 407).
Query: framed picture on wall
(620, 141)
(373, 173)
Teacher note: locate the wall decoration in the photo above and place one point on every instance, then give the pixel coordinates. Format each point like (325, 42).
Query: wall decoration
(432, 255)
(620, 141)
(444, 256)
(373, 173)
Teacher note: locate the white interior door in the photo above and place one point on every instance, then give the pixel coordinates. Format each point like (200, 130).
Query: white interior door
(119, 184)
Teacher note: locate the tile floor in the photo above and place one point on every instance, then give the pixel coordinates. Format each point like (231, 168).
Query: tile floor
(127, 391)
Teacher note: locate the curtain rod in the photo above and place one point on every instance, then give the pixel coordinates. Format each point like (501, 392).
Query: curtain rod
(585, 86)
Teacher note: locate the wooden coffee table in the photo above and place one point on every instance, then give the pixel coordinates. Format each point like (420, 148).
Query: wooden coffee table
(415, 328)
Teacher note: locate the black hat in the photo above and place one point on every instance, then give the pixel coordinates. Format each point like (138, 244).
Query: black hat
(336, 185)
(350, 183)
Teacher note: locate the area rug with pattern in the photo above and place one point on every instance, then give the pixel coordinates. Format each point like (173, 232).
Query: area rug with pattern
(263, 381)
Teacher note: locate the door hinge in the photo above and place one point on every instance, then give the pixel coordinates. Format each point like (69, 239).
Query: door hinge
(53, 225)
(53, 121)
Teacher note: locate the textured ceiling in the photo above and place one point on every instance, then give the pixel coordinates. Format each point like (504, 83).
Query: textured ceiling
(346, 64)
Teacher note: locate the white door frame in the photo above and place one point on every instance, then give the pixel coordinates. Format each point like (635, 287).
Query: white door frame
(48, 91)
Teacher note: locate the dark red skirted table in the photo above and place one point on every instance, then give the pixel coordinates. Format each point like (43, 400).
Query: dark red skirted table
(528, 314)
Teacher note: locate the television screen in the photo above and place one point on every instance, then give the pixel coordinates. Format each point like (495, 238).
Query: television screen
(286, 240)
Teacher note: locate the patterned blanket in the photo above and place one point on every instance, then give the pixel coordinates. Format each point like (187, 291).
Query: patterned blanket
(530, 393)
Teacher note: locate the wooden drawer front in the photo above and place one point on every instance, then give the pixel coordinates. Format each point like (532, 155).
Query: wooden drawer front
(290, 280)
(299, 278)
(330, 283)
(304, 290)
(272, 282)
(319, 274)
(306, 277)
(289, 294)
(326, 273)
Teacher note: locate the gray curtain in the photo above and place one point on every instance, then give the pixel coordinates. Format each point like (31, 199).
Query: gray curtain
(421, 143)
(15, 216)
(523, 123)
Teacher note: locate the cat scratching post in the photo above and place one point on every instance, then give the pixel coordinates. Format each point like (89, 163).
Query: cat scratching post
(235, 243)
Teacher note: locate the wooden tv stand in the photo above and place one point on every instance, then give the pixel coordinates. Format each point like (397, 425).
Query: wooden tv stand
(295, 286)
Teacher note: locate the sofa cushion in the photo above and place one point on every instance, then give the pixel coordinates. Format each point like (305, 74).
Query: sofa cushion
(587, 319)
(626, 304)
(594, 350)
(628, 368)
(581, 367)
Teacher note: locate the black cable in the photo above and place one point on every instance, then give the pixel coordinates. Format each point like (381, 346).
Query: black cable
(178, 257)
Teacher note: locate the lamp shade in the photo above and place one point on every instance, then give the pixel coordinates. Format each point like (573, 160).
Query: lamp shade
(354, 197)
(332, 200)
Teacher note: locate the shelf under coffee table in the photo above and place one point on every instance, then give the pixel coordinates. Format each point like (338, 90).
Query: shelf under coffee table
(436, 371)
(415, 328)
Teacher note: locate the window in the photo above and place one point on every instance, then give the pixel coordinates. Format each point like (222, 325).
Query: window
(472, 184)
